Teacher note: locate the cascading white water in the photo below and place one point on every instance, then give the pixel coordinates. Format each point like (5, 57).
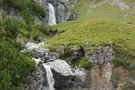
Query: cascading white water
(49, 76)
(52, 18)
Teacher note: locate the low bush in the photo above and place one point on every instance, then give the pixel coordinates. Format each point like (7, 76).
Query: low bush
(84, 63)
(14, 66)
(28, 8)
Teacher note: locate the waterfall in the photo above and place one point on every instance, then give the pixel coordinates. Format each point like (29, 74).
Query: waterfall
(49, 76)
(52, 18)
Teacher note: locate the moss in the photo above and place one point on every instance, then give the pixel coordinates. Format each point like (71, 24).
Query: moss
(67, 53)
(84, 63)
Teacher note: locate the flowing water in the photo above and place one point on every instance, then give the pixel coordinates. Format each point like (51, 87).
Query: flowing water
(49, 76)
(52, 18)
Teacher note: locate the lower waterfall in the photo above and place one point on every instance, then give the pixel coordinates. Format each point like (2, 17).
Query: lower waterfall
(49, 77)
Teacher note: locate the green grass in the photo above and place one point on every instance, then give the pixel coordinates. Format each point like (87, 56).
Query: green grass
(108, 11)
(64, 26)
(97, 31)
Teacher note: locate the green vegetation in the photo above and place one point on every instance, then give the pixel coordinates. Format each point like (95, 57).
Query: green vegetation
(115, 78)
(14, 28)
(14, 66)
(94, 26)
(28, 8)
(83, 63)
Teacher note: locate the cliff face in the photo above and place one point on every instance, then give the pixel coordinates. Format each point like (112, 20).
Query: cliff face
(62, 10)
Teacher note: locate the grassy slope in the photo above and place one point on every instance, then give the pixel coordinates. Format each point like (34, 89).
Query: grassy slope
(104, 11)
(101, 31)
(97, 31)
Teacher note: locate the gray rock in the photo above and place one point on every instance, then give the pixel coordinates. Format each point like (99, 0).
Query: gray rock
(34, 81)
(80, 74)
(39, 52)
(61, 72)
(100, 55)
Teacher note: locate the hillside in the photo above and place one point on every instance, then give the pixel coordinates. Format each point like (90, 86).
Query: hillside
(98, 31)
(123, 10)
(94, 52)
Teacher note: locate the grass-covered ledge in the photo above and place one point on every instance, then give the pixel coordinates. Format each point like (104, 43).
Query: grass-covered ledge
(99, 31)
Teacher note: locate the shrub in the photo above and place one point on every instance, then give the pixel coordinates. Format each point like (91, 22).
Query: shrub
(14, 66)
(84, 63)
(47, 30)
(116, 76)
(123, 60)
(12, 27)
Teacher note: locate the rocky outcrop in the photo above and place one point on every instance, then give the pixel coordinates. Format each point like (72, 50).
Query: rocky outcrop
(11, 14)
(34, 81)
(66, 78)
(100, 55)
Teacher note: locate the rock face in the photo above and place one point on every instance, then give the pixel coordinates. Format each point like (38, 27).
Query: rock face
(57, 74)
(34, 81)
(11, 14)
(101, 76)
(61, 72)
(100, 55)
(62, 10)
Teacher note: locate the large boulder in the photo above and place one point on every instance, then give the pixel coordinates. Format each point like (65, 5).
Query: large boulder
(61, 72)
(44, 54)
(39, 52)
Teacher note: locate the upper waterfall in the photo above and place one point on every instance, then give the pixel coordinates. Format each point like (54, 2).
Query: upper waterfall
(52, 18)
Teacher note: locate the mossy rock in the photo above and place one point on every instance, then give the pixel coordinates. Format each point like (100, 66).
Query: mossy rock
(84, 63)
